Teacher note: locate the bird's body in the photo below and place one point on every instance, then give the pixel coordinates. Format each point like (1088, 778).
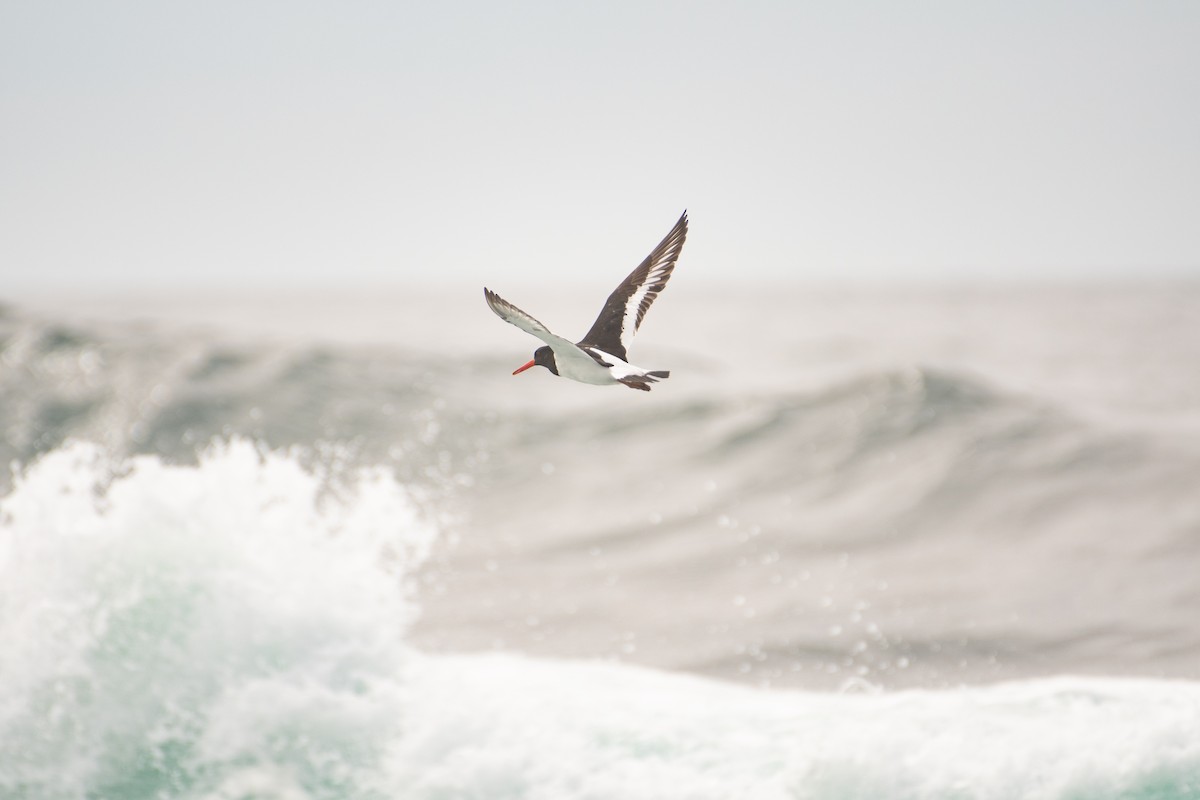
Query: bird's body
(601, 356)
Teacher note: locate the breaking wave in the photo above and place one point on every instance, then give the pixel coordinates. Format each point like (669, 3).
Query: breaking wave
(238, 628)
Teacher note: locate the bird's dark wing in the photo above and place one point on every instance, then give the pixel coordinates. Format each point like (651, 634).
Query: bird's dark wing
(627, 305)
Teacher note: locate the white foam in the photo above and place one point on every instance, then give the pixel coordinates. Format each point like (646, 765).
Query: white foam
(226, 631)
(504, 726)
(190, 617)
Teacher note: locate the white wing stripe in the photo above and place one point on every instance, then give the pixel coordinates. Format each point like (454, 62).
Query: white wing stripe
(639, 301)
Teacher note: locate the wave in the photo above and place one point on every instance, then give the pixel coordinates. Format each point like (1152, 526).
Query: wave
(164, 625)
(240, 628)
(908, 525)
(149, 391)
(172, 393)
(499, 726)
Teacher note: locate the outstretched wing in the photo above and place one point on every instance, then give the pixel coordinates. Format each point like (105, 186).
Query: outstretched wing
(565, 351)
(515, 316)
(627, 305)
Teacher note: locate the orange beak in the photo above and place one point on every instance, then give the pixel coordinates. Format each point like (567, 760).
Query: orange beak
(519, 370)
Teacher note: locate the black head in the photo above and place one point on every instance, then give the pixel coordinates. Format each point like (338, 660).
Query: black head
(542, 357)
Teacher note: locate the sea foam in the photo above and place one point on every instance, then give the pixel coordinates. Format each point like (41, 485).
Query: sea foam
(236, 629)
(170, 630)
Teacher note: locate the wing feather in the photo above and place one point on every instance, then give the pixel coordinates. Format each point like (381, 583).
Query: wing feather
(626, 307)
(565, 351)
(515, 316)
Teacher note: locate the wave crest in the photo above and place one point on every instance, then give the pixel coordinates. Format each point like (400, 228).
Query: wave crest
(160, 620)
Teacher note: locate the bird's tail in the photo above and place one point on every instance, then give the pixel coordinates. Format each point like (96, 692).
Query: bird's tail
(642, 382)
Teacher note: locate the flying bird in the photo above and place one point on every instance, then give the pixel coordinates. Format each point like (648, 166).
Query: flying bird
(601, 356)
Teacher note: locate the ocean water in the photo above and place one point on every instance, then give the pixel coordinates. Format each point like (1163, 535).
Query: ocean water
(919, 543)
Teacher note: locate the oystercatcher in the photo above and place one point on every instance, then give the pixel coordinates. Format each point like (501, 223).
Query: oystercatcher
(599, 358)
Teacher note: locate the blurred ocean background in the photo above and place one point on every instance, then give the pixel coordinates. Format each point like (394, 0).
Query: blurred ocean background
(907, 542)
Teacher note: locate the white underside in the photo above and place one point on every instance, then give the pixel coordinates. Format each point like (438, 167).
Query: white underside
(577, 365)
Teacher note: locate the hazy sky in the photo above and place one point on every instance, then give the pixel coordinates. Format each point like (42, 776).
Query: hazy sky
(168, 144)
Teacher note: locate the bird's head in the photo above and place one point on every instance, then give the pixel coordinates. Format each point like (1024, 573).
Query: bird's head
(542, 357)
